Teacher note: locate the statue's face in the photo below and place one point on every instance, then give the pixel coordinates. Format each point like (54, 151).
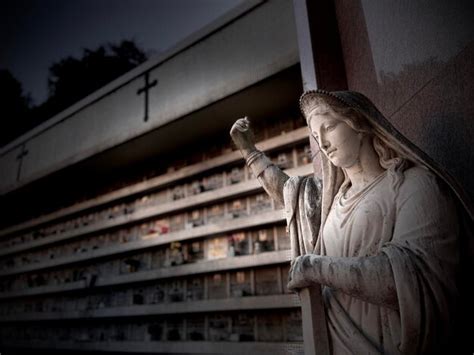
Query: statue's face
(338, 141)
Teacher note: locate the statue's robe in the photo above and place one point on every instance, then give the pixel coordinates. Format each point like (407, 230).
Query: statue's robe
(413, 223)
(417, 217)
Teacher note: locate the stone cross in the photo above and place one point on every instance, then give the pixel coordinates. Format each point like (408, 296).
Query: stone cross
(145, 90)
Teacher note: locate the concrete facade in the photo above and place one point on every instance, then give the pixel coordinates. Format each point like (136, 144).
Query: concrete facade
(228, 57)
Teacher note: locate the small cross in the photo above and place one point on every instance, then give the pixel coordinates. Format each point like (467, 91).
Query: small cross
(145, 89)
(20, 156)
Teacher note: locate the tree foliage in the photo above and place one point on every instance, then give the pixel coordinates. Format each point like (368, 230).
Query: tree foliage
(70, 80)
(14, 107)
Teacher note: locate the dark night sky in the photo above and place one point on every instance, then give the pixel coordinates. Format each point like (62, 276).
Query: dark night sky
(36, 33)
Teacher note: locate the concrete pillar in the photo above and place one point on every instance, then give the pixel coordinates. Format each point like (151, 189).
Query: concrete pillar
(321, 67)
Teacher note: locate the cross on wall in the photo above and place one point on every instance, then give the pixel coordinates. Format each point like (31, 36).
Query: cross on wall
(145, 90)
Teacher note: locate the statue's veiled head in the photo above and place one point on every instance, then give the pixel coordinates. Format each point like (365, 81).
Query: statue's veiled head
(340, 124)
(361, 115)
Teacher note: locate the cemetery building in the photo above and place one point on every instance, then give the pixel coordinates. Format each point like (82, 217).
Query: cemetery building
(130, 223)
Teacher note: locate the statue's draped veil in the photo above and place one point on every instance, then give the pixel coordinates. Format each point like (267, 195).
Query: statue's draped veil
(333, 177)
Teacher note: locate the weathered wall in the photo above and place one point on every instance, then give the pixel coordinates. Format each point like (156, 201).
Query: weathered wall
(414, 60)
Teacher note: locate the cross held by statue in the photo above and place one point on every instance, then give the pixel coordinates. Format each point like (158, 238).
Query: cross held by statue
(145, 89)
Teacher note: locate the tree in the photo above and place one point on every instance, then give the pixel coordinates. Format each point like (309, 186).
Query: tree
(69, 80)
(14, 107)
(72, 79)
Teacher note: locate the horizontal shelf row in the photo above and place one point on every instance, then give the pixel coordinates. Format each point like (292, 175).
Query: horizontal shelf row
(230, 210)
(257, 240)
(252, 282)
(293, 137)
(155, 211)
(202, 267)
(154, 240)
(214, 305)
(190, 347)
(259, 326)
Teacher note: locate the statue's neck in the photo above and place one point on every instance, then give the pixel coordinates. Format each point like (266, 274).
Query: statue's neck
(365, 170)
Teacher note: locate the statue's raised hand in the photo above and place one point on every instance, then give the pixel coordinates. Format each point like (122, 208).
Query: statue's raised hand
(242, 135)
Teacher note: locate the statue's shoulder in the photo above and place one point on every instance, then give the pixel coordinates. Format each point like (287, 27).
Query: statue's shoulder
(419, 179)
(419, 174)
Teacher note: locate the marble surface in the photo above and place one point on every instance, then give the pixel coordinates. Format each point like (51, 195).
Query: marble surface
(414, 61)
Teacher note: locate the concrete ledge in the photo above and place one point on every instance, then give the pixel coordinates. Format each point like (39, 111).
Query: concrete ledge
(226, 304)
(238, 262)
(170, 347)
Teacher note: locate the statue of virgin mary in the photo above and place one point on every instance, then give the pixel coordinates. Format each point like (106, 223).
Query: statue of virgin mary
(383, 231)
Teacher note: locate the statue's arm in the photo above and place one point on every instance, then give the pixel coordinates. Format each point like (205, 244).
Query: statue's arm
(367, 278)
(273, 179)
(270, 176)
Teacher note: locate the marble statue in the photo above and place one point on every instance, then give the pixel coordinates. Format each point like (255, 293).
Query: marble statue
(379, 231)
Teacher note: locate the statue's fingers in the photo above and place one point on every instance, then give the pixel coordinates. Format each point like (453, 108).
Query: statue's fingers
(236, 124)
(244, 122)
(234, 129)
(298, 283)
(241, 128)
(292, 286)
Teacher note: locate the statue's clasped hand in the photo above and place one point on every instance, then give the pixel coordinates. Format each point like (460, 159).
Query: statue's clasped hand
(242, 135)
(242, 124)
(301, 271)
